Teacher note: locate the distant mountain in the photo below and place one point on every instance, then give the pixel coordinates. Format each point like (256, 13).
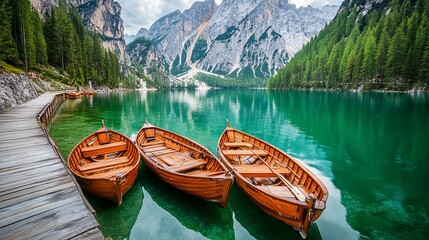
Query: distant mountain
(372, 44)
(141, 33)
(239, 38)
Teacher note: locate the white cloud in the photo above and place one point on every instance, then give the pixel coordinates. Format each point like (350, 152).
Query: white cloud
(143, 13)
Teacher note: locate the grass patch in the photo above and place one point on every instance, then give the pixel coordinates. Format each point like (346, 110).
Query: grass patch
(10, 69)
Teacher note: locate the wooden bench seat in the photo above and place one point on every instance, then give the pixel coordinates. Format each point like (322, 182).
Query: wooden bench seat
(111, 173)
(187, 165)
(244, 152)
(154, 148)
(104, 149)
(260, 171)
(103, 164)
(172, 159)
(280, 191)
(238, 144)
(151, 143)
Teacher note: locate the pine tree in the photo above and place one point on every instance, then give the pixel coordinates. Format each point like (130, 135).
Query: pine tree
(368, 64)
(396, 54)
(39, 40)
(8, 50)
(24, 32)
(424, 67)
(381, 55)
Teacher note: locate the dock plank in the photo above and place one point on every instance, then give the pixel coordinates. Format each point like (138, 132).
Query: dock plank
(38, 197)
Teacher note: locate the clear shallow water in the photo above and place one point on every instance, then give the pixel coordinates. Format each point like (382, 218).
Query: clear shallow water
(370, 149)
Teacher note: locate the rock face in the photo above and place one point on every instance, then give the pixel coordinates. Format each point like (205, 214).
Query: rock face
(15, 90)
(240, 38)
(142, 52)
(102, 16)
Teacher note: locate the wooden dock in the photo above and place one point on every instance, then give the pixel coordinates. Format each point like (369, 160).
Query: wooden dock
(38, 197)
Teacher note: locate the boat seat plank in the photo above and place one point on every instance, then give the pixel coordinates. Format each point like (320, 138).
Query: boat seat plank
(187, 165)
(159, 161)
(154, 148)
(103, 164)
(162, 152)
(260, 171)
(238, 144)
(104, 149)
(171, 159)
(280, 191)
(112, 173)
(244, 152)
(151, 143)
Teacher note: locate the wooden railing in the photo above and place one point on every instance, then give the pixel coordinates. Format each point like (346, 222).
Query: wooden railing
(44, 117)
(47, 113)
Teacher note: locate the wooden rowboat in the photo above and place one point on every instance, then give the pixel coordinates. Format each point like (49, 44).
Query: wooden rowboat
(105, 164)
(279, 184)
(73, 94)
(88, 92)
(184, 164)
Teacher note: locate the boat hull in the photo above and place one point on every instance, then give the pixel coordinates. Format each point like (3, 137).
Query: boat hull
(210, 189)
(281, 199)
(109, 188)
(108, 180)
(213, 185)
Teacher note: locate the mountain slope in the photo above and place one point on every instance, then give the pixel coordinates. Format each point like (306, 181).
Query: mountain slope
(239, 38)
(373, 44)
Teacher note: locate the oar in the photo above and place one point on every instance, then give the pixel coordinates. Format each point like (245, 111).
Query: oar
(295, 192)
(278, 160)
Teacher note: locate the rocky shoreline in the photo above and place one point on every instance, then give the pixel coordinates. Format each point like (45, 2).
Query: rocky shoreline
(15, 90)
(18, 89)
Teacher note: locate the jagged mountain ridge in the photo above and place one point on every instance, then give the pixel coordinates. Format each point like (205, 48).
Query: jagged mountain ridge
(101, 16)
(130, 38)
(240, 38)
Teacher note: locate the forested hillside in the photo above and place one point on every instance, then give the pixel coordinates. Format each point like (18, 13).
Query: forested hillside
(375, 44)
(59, 40)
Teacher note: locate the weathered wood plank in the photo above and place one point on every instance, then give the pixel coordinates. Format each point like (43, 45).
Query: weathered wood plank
(36, 206)
(38, 197)
(20, 144)
(93, 234)
(13, 169)
(61, 223)
(9, 155)
(21, 134)
(30, 187)
(50, 188)
(52, 171)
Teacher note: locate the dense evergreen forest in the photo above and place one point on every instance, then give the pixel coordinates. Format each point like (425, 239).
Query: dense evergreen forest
(60, 40)
(386, 47)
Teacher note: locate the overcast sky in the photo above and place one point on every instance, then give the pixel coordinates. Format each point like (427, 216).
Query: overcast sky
(143, 13)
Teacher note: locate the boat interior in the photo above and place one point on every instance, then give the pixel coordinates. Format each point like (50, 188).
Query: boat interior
(176, 154)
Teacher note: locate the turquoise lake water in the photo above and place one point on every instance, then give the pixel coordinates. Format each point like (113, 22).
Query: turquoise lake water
(370, 149)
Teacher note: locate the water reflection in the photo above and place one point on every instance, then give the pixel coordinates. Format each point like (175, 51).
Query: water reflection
(370, 149)
(168, 213)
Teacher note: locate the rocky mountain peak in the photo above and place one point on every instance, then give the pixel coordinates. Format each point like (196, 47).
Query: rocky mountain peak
(240, 38)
